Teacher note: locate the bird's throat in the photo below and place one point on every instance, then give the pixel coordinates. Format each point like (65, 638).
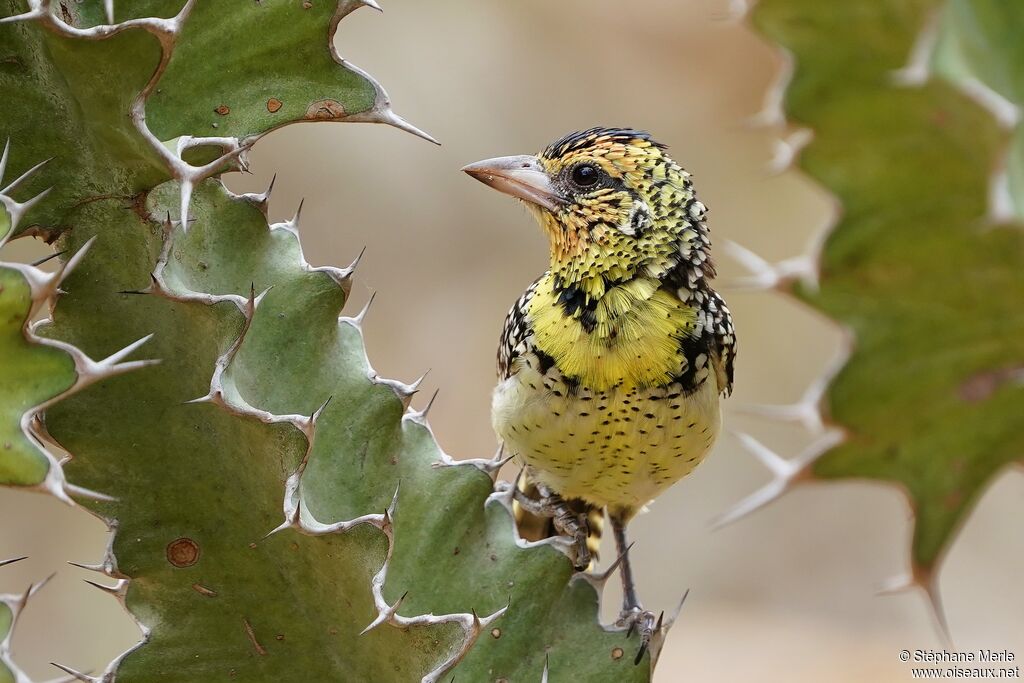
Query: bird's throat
(629, 336)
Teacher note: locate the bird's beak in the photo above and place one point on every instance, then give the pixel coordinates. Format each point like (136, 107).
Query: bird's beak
(520, 176)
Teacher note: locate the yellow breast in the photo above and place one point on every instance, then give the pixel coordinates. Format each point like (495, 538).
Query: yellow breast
(635, 342)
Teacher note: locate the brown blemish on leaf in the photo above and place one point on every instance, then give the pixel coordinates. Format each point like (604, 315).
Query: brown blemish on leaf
(496, 633)
(260, 650)
(981, 386)
(617, 653)
(324, 110)
(223, 110)
(307, 4)
(183, 552)
(274, 105)
(48, 235)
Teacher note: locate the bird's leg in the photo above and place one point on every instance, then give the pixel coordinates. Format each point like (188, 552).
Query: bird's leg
(633, 614)
(567, 521)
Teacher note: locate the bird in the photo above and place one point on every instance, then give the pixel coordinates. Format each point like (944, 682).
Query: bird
(613, 363)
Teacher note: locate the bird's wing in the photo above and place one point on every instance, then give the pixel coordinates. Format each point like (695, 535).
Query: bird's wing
(514, 334)
(723, 341)
(712, 346)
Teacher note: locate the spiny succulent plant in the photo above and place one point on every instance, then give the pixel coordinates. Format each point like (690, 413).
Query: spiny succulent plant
(908, 112)
(11, 606)
(277, 510)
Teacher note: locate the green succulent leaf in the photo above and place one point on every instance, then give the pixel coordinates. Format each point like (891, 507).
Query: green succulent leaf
(11, 606)
(278, 511)
(30, 374)
(931, 396)
(84, 90)
(979, 43)
(6, 625)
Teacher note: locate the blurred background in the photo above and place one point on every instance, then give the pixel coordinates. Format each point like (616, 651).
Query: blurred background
(788, 594)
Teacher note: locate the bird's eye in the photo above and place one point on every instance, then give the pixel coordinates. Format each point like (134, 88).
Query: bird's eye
(585, 175)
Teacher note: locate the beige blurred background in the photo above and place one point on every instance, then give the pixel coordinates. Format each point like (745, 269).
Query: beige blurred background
(785, 595)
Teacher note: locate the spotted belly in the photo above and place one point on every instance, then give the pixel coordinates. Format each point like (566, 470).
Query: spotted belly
(618, 448)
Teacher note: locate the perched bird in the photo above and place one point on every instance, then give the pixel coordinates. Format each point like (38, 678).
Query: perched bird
(612, 363)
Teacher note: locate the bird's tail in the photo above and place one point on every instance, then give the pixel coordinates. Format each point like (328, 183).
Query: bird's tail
(535, 528)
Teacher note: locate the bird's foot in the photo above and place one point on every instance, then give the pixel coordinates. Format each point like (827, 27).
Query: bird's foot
(644, 623)
(575, 526)
(567, 522)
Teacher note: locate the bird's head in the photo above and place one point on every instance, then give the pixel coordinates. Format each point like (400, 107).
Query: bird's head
(614, 207)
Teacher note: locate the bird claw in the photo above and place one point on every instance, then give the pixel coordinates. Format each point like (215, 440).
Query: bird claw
(575, 526)
(567, 522)
(643, 622)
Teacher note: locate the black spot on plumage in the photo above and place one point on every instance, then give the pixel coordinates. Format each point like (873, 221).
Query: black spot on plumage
(545, 362)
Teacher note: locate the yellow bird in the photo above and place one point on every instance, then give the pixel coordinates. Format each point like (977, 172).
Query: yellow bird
(612, 363)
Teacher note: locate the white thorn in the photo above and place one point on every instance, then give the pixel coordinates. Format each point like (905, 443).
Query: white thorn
(4, 563)
(108, 5)
(342, 276)
(785, 473)
(358, 319)
(805, 412)
(185, 189)
(1001, 205)
(598, 580)
(786, 150)
(118, 356)
(13, 185)
(77, 675)
(389, 514)
(931, 591)
(83, 492)
(415, 386)
(118, 590)
(385, 615)
(896, 584)
(90, 371)
(772, 110)
(75, 259)
(31, 15)
(739, 9)
(98, 568)
(776, 464)
(544, 673)
(315, 417)
(1005, 112)
(355, 262)
(762, 271)
(3, 159)
(420, 416)
(917, 70)
(764, 275)
(258, 299)
(392, 119)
